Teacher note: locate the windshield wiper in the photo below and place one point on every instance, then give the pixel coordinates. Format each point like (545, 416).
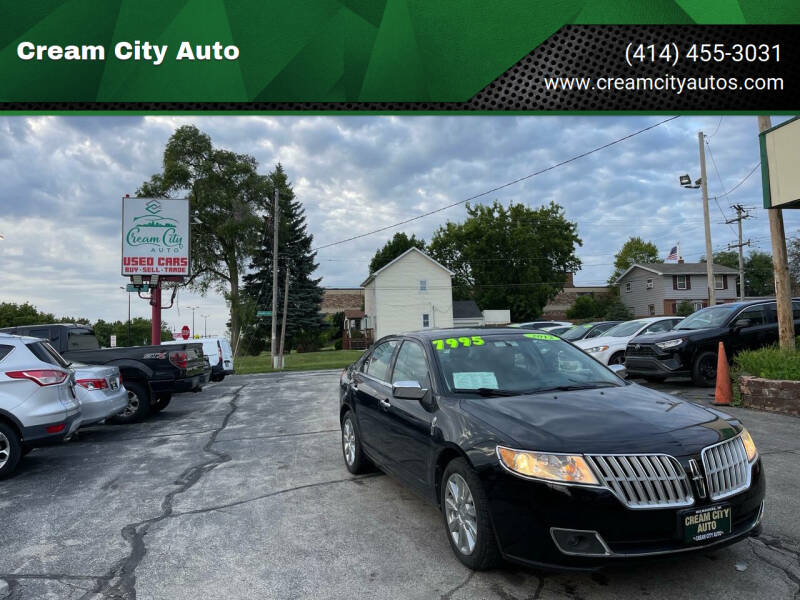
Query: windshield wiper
(487, 392)
(589, 385)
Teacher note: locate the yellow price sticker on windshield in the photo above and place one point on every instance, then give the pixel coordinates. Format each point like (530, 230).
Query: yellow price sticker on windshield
(541, 336)
(474, 340)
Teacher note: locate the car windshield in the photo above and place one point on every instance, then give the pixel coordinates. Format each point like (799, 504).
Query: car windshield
(713, 316)
(625, 329)
(576, 332)
(512, 364)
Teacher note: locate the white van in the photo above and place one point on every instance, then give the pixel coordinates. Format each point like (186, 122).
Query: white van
(218, 352)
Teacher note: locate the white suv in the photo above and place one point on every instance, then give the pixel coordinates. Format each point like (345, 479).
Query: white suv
(37, 398)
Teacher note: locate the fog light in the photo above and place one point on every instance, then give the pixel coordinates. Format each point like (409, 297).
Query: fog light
(578, 542)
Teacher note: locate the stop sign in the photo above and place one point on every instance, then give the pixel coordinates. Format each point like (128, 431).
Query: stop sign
(185, 332)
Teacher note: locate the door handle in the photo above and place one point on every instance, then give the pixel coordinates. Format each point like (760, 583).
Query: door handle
(385, 403)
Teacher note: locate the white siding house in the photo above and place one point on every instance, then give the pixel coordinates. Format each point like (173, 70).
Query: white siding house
(412, 292)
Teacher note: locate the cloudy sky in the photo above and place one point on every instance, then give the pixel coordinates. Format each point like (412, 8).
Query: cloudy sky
(63, 178)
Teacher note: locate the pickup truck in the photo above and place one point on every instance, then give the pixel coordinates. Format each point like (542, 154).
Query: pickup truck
(151, 374)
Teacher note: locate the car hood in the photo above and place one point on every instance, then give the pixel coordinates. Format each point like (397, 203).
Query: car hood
(629, 419)
(602, 340)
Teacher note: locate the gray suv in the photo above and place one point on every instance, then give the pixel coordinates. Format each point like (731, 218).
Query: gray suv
(37, 398)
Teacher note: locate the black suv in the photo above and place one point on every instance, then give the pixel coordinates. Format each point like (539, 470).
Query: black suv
(690, 349)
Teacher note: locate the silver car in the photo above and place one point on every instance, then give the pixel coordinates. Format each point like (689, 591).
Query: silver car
(38, 405)
(100, 392)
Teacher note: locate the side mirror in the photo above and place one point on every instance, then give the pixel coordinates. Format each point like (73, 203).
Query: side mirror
(409, 390)
(619, 370)
(741, 323)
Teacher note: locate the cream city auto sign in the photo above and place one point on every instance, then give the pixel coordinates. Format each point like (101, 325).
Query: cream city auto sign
(155, 236)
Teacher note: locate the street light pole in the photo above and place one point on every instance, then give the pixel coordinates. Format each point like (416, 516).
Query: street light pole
(205, 325)
(193, 308)
(129, 313)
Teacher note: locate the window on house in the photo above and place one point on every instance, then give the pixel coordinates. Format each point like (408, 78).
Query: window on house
(681, 282)
(719, 284)
(426, 322)
(423, 285)
(627, 286)
(649, 284)
(697, 305)
(651, 309)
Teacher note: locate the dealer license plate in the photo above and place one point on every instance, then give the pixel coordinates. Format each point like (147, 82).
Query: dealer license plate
(706, 524)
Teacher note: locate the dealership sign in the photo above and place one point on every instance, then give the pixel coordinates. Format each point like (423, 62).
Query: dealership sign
(155, 237)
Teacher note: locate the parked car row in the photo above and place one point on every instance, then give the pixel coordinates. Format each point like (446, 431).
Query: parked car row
(56, 378)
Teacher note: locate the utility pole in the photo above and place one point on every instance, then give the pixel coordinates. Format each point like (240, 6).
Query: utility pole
(780, 267)
(275, 221)
(712, 300)
(285, 312)
(741, 214)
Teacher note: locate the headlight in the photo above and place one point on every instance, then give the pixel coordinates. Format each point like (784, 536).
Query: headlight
(670, 343)
(552, 467)
(596, 349)
(749, 445)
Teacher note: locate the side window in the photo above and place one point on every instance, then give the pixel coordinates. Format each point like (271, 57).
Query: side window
(659, 326)
(411, 365)
(796, 310)
(4, 350)
(755, 314)
(378, 363)
(771, 311)
(42, 333)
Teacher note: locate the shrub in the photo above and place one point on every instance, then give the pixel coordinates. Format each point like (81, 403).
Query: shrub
(337, 345)
(585, 307)
(684, 309)
(615, 310)
(308, 341)
(770, 363)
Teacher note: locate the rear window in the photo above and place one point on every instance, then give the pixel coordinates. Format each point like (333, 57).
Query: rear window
(4, 350)
(46, 353)
(82, 339)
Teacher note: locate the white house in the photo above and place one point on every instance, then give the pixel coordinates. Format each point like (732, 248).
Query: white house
(412, 292)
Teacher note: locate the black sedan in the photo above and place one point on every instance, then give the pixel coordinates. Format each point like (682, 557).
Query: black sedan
(537, 453)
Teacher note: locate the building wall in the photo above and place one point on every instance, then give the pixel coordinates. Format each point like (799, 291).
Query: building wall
(399, 303)
(496, 317)
(341, 299)
(639, 298)
(558, 306)
(699, 289)
(370, 305)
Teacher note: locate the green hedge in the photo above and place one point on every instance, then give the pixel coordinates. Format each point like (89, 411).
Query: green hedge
(770, 363)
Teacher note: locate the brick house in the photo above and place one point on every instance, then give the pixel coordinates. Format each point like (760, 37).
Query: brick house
(557, 307)
(335, 300)
(656, 289)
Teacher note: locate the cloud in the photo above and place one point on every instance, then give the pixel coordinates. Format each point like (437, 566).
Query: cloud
(64, 177)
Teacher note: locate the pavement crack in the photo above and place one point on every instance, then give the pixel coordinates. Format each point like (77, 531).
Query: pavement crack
(220, 507)
(120, 581)
(279, 436)
(776, 546)
(450, 593)
(138, 437)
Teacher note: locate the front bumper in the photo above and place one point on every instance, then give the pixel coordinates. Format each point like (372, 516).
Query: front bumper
(667, 366)
(525, 512)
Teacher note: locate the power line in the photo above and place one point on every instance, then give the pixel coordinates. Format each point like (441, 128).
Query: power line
(721, 184)
(500, 187)
(716, 128)
(746, 177)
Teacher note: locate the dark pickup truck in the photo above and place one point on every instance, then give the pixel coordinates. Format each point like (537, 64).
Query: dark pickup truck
(151, 374)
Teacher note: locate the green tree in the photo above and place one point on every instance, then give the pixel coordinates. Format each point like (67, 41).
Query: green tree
(725, 258)
(584, 307)
(394, 248)
(635, 250)
(294, 252)
(793, 249)
(612, 309)
(225, 192)
(684, 308)
(512, 257)
(14, 315)
(759, 277)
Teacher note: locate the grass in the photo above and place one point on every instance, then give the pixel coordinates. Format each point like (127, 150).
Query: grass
(307, 361)
(769, 363)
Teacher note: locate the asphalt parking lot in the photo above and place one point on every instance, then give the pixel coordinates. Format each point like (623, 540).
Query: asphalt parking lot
(240, 492)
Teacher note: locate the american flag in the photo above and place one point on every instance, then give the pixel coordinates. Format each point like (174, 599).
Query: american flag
(673, 254)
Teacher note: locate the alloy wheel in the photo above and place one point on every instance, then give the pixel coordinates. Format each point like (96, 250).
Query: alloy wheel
(349, 442)
(708, 368)
(133, 405)
(5, 450)
(462, 520)
(617, 359)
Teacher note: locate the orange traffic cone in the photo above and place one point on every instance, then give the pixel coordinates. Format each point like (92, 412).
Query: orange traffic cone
(723, 394)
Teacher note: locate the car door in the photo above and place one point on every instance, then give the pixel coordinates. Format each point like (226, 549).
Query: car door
(753, 335)
(408, 422)
(372, 392)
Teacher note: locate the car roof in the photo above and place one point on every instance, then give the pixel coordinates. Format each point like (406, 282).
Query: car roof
(435, 334)
(25, 339)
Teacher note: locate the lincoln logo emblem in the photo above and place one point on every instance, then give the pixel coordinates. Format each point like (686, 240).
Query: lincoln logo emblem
(697, 477)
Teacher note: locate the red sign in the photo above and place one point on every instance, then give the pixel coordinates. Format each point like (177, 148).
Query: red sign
(185, 332)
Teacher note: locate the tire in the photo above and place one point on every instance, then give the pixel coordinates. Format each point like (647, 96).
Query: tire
(160, 403)
(352, 452)
(10, 450)
(618, 358)
(461, 516)
(704, 369)
(138, 407)
(217, 377)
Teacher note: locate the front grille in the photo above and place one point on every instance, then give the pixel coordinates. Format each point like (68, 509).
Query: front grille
(727, 468)
(638, 350)
(644, 480)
